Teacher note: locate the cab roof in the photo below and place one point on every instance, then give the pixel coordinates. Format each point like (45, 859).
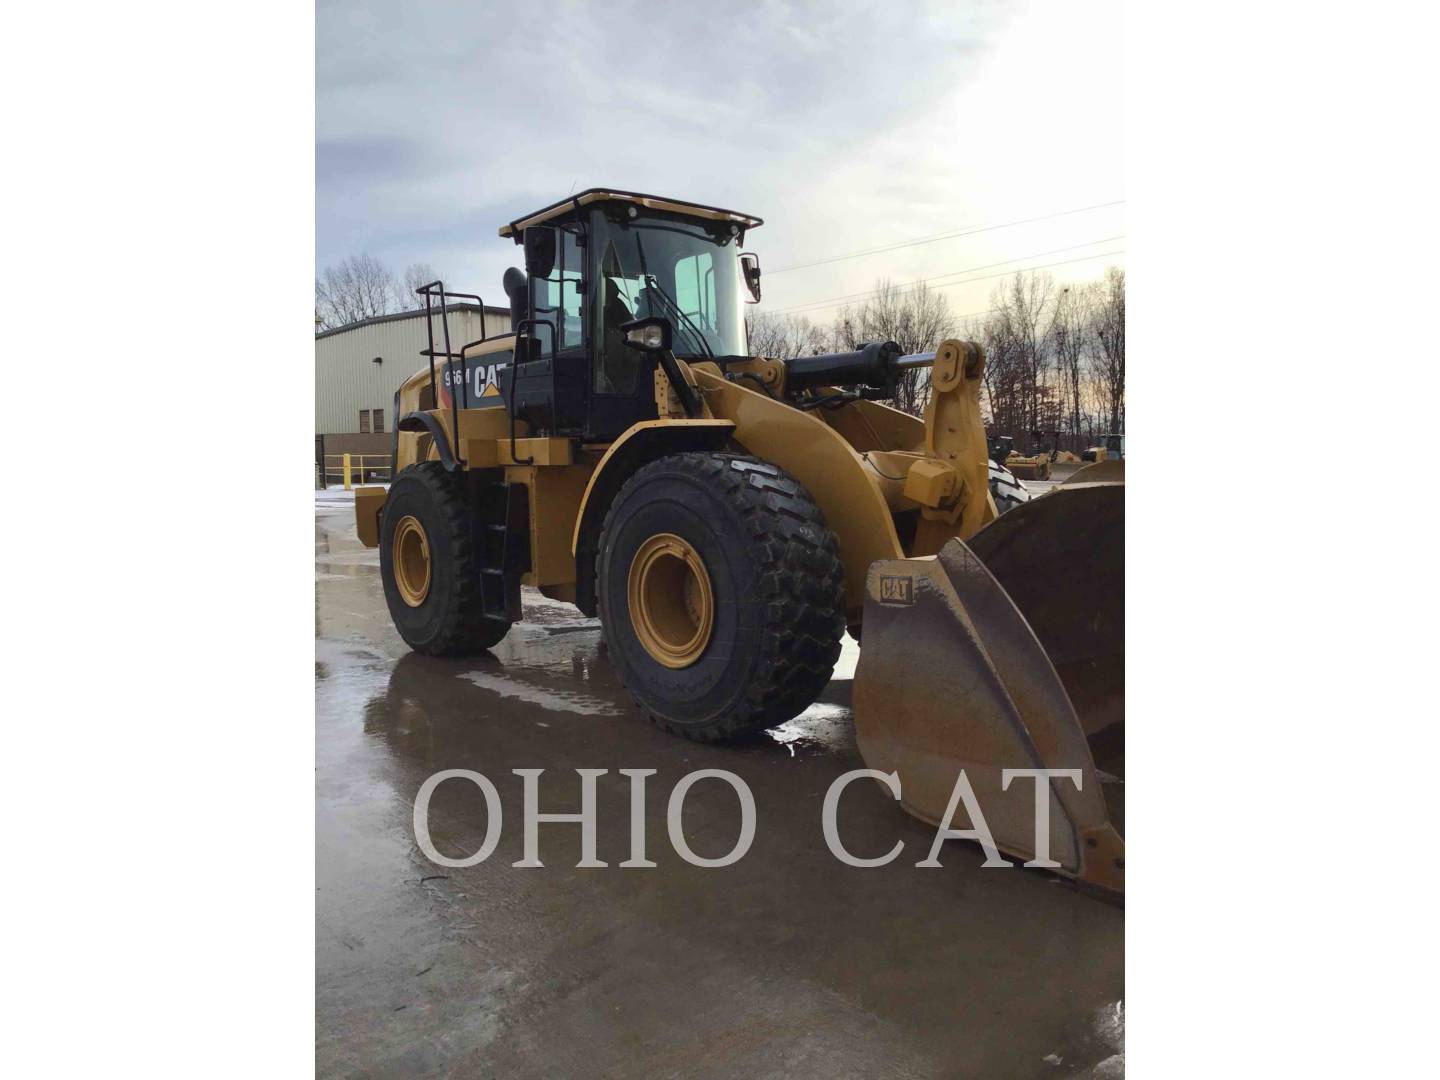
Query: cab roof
(651, 202)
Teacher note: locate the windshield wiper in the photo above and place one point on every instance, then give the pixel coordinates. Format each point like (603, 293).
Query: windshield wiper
(669, 301)
(675, 308)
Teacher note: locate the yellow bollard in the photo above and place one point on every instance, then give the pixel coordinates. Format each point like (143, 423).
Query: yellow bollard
(345, 468)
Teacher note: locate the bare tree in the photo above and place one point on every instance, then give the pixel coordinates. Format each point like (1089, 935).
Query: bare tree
(1055, 358)
(1109, 332)
(845, 330)
(917, 318)
(416, 275)
(783, 336)
(361, 287)
(1018, 345)
(1028, 309)
(1069, 342)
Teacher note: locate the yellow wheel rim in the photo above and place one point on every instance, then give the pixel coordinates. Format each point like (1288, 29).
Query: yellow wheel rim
(411, 559)
(671, 606)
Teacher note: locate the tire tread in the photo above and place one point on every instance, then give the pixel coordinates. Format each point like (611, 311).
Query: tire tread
(466, 629)
(802, 585)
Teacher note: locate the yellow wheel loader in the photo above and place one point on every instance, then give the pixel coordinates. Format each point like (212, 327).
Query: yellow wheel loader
(1036, 467)
(728, 516)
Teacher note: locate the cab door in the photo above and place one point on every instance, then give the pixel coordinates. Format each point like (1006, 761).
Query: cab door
(552, 357)
(622, 380)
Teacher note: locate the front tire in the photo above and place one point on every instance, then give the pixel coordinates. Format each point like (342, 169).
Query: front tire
(1006, 488)
(721, 594)
(429, 566)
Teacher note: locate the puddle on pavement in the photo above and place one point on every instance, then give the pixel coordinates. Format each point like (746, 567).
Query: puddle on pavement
(957, 971)
(552, 700)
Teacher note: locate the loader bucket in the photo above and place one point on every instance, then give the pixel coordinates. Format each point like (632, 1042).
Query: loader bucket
(1111, 470)
(1004, 654)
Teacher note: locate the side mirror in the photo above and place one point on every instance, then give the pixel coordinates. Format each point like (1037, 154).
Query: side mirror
(750, 267)
(539, 251)
(648, 335)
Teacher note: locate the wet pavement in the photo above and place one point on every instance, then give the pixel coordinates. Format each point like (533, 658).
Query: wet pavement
(787, 963)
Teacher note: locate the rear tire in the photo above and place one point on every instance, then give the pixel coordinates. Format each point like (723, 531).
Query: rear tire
(774, 591)
(441, 614)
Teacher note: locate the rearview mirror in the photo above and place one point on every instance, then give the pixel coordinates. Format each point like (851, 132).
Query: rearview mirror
(750, 267)
(648, 335)
(539, 251)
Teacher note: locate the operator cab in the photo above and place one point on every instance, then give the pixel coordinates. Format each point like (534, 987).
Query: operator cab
(599, 260)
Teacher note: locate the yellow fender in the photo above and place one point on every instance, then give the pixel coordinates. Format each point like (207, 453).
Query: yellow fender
(829, 467)
(639, 445)
(675, 435)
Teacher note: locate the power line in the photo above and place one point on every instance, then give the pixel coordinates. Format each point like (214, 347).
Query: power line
(1003, 273)
(837, 300)
(942, 236)
(968, 281)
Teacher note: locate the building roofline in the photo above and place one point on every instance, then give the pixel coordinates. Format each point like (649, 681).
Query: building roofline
(397, 316)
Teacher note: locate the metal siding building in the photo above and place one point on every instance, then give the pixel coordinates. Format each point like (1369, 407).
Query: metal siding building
(347, 378)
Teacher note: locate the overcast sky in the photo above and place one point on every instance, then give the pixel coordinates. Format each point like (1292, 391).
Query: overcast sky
(845, 125)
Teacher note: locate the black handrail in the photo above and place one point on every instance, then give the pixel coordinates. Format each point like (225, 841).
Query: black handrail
(430, 352)
(430, 291)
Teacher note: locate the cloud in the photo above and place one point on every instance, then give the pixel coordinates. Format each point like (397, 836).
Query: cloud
(845, 125)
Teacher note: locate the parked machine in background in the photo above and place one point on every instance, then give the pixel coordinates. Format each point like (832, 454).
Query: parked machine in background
(728, 516)
(1111, 448)
(1034, 467)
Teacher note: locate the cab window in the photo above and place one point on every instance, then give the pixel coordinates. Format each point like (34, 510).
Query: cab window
(558, 298)
(695, 289)
(619, 297)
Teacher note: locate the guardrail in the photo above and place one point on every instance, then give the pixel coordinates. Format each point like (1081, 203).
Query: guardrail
(351, 469)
